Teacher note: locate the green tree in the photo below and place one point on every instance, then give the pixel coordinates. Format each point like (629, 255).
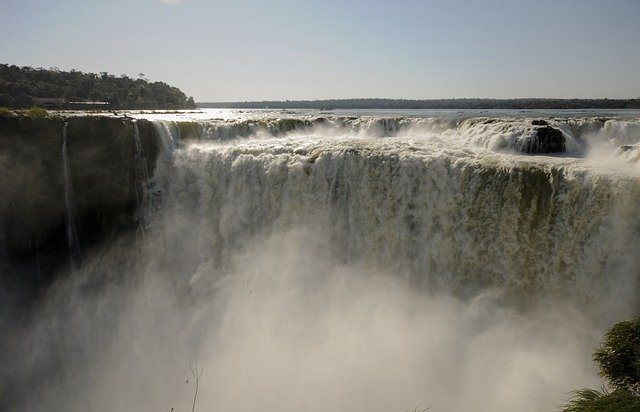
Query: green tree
(18, 85)
(618, 360)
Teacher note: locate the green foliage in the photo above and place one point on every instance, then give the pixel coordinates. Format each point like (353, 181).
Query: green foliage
(583, 399)
(590, 400)
(618, 359)
(619, 356)
(19, 85)
(37, 112)
(5, 112)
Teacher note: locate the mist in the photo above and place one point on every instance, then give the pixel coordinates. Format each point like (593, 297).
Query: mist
(286, 326)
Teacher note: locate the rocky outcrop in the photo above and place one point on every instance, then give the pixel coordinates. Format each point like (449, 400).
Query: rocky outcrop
(545, 139)
(99, 199)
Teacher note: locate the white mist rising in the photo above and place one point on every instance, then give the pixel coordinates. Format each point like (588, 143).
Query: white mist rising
(289, 328)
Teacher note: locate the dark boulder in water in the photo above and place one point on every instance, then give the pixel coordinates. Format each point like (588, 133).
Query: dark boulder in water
(545, 140)
(538, 122)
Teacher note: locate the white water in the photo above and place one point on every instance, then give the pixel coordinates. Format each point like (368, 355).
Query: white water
(441, 217)
(364, 264)
(72, 233)
(143, 184)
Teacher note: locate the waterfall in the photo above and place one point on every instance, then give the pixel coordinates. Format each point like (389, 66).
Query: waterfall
(168, 134)
(344, 263)
(73, 241)
(502, 135)
(142, 181)
(446, 219)
(3, 246)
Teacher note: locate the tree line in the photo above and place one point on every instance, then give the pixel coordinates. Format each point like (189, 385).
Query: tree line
(514, 104)
(20, 85)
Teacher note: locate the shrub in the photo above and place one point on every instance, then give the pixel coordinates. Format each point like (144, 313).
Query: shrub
(618, 360)
(590, 400)
(4, 112)
(619, 356)
(37, 112)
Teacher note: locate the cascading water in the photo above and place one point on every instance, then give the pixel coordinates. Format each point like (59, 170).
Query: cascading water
(71, 229)
(427, 211)
(142, 181)
(168, 135)
(351, 263)
(3, 249)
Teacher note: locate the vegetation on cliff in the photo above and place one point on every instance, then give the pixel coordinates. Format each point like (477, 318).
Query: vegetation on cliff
(20, 85)
(618, 361)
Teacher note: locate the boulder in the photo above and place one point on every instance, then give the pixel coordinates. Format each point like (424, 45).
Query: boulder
(546, 139)
(538, 122)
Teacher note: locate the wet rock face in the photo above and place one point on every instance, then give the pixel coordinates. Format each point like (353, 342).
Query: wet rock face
(101, 189)
(546, 139)
(32, 201)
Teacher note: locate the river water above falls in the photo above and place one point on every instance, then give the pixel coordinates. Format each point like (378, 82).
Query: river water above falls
(332, 261)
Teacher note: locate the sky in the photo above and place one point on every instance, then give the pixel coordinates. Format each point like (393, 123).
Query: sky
(239, 50)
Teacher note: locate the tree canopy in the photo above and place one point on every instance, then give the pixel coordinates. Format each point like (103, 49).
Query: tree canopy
(20, 85)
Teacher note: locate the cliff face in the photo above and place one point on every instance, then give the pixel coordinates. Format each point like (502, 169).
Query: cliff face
(59, 200)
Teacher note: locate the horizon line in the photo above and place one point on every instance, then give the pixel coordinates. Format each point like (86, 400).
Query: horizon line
(421, 99)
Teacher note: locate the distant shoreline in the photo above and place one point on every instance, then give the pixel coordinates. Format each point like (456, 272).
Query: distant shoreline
(514, 104)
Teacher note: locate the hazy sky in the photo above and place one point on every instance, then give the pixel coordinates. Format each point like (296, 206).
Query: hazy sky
(221, 50)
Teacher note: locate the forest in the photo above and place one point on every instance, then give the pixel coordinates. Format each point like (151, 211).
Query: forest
(514, 104)
(19, 86)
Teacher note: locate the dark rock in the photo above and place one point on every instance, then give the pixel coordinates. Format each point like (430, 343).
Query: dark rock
(104, 172)
(190, 130)
(545, 140)
(625, 148)
(538, 122)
